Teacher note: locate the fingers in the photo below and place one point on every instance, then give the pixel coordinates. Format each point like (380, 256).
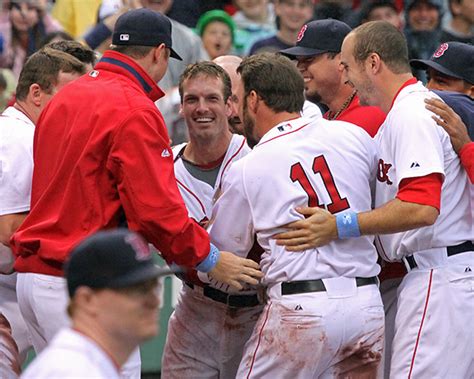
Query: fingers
(291, 234)
(235, 285)
(307, 211)
(252, 265)
(294, 241)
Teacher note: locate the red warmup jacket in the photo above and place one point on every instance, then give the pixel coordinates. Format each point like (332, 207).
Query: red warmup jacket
(101, 151)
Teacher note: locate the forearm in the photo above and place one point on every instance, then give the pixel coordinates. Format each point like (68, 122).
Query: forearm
(396, 216)
(9, 224)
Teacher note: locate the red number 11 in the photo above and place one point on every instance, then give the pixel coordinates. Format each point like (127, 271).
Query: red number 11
(320, 166)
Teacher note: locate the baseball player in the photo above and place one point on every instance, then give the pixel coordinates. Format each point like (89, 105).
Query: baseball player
(324, 314)
(317, 52)
(113, 305)
(44, 73)
(423, 215)
(9, 356)
(209, 327)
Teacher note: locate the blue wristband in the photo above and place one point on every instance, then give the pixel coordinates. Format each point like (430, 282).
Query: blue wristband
(211, 260)
(347, 225)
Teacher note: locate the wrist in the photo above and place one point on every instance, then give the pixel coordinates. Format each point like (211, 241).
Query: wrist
(347, 225)
(210, 261)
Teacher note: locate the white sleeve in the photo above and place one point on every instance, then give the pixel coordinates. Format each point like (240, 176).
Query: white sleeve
(231, 226)
(16, 171)
(417, 145)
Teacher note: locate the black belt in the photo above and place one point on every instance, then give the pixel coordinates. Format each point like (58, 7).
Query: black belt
(452, 250)
(317, 285)
(236, 301)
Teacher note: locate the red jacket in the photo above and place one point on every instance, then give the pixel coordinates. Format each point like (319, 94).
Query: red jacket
(467, 160)
(101, 151)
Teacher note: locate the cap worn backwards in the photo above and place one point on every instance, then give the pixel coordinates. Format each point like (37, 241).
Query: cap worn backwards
(318, 37)
(454, 59)
(111, 259)
(143, 27)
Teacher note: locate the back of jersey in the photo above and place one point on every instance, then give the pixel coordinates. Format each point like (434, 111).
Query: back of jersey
(322, 163)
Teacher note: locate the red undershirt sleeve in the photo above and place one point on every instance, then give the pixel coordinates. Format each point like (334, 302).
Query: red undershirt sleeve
(466, 154)
(425, 190)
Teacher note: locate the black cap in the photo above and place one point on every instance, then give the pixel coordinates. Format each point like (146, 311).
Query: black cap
(143, 27)
(111, 259)
(318, 37)
(454, 59)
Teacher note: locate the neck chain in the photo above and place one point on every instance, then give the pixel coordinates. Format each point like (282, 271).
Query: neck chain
(343, 107)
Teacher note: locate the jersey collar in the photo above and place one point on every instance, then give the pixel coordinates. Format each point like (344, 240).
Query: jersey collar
(12, 112)
(284, 128)
(404, 85)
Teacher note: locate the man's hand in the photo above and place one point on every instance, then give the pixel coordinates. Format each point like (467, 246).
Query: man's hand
(318, 229)
(233, 270)
(449, 121)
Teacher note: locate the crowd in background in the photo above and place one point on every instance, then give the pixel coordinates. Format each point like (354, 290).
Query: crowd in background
(208, 29)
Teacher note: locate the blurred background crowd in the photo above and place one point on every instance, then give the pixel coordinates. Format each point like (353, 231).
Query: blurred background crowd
(204, 29)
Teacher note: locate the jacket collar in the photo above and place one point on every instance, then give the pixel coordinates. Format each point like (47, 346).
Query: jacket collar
(120, 63)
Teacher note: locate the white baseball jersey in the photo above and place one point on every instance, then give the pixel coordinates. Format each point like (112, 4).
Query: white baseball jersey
(199, 196)
(412, 145)
(298, 163)
(72, 355)
(16, 161)
(311, 111)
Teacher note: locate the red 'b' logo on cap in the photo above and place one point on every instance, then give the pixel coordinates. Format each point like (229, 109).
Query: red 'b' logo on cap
(301, 33)
(438, 53)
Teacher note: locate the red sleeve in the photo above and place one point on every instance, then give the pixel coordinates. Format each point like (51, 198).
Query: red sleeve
(466, 154)
(425, 190)
(142, 161)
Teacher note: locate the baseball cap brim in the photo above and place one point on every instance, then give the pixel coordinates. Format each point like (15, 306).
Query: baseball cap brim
(423, 64)
(175, 55)
(300, 51)
(143, 274)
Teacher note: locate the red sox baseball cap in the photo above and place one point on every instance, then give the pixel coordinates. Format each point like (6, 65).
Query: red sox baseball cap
(318, 37)
(143, 27)
(454, 59)
(111, 259)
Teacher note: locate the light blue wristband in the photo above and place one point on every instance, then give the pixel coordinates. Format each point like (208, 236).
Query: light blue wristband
(211, 260)
(347, 225)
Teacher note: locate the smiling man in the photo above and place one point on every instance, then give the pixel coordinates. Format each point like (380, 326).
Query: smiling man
(218, 323)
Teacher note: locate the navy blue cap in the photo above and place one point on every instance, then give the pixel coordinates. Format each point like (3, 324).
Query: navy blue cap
(143, 27)
(111, 259)
(318, 37)
(454, 59)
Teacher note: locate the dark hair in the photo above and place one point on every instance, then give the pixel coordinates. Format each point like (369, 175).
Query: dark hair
(58, 34)
(133, 51)
(384, 39)
(43, 68)
(209, 69)
(275, 79)
(375, 4)
(76, 49)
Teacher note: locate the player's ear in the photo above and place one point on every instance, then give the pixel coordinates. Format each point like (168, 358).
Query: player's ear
(229, 107)
(181, 110)
(35, 94)
(252, 100)
(374, 63)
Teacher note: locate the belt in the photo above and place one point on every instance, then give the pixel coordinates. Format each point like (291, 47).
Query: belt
(452, 250)
(236, 301)
(317, 285)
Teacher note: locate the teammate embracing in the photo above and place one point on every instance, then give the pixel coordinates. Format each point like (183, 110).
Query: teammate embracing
(324, 315)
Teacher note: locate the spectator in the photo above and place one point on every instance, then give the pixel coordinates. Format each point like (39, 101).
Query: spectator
(423, 29)
(76, 16)
(217, 30)
(291, 16)
(23, 26)
(461, 26)
(113, 305)
(338, 10)
(381, 10)
(56, 36)
(255, 20)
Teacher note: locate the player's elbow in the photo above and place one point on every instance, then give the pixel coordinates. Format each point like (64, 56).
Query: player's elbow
(427, 215)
